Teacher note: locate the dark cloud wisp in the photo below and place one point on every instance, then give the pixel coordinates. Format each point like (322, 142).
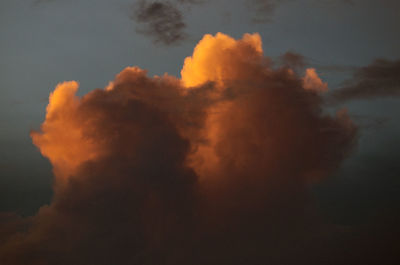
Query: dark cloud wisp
(163, 21)
(293, 60)
(264, 9)
(379, 79)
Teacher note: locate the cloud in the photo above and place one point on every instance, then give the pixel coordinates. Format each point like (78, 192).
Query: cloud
(312, 81)
(211, 168)
(299, 62)
(335, 68)
(162, 20)
(293, 60)
(379, 79)
(264, 9)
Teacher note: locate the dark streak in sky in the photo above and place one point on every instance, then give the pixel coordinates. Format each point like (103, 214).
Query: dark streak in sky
(379, 79)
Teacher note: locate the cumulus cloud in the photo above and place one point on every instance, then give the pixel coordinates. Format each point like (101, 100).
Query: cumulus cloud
(379, 79)
(210, 168)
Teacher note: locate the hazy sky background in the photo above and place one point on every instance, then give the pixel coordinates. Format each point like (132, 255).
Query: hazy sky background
(43, 43)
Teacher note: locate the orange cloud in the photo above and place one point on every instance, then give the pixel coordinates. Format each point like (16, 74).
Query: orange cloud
(220, 58)
(312, 81)
(63, 139)
(212, 167)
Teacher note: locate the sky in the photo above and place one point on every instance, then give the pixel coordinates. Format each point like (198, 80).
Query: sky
(202, 132)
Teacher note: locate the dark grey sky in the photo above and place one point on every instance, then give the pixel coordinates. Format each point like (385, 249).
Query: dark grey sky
(45, 42)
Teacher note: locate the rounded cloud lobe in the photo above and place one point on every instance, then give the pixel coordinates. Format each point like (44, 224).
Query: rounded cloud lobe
(212, 168)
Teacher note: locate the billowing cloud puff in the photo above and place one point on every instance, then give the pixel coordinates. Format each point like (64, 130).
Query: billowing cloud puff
(222, 59)
(312, 81)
